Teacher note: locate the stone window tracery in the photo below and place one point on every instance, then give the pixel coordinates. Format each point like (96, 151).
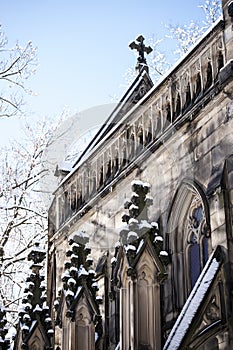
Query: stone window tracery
(189, 239)
(197, 242)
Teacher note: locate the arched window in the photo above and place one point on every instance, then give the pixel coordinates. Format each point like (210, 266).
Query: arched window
(188, 239)
(197, 244)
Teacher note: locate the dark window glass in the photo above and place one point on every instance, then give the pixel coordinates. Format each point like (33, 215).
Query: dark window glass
(195, 267)
(205, 250)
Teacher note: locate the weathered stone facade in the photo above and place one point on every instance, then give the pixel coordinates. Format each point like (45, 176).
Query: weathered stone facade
(176, 136)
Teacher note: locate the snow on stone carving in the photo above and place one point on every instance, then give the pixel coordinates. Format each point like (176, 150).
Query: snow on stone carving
(137, 224)
(77, 276)
(4, 328)
(33, 308)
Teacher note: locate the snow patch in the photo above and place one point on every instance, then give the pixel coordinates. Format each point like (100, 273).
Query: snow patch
(192, 304)
(69, 293)
(82, 271)
(133, 235)
(130, 247)
(144, 224)
(133, 221)
(163, 253)
(140, 245)
(78, 291)
(137, 182)
(113, 260)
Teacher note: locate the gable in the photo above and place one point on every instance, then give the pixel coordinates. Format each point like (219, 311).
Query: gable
(138, 89)
(83, 312)
(146, 263)
(195, 307)
(149, 264)
(38, 338)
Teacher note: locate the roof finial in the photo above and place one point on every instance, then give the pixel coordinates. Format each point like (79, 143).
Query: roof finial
(141, 48)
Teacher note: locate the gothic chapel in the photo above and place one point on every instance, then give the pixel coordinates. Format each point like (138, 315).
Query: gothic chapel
(140, 244)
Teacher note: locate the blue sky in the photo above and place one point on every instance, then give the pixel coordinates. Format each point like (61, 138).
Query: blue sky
(83, 45)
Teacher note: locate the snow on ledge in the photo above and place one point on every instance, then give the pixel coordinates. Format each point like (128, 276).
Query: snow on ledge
(192, 304)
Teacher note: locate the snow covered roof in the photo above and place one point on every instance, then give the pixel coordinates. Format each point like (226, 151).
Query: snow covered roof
(112, 122)
(126, 104)
(194, 301)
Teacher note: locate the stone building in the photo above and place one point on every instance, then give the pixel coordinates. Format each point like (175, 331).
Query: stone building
(162, 278)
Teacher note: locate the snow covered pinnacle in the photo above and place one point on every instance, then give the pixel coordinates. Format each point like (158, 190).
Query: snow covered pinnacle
(138, 236)
(139, 202)
(138, 230)
(4, 341)
(34, 309)
(78, 279)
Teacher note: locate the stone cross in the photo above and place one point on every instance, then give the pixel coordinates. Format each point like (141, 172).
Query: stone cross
(141, 48)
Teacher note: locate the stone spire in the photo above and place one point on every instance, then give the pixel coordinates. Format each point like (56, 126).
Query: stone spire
(138, 228)
(77, 278)
(34, 308)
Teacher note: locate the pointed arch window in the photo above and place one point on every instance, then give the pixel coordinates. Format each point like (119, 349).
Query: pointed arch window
(189, 239)
(197, 243)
